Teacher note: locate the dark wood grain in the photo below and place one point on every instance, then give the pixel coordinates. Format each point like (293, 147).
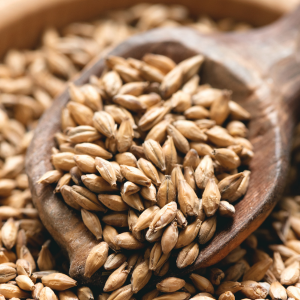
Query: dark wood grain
(262, 68)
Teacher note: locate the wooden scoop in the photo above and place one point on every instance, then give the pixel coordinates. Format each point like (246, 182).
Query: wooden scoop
(261, 67)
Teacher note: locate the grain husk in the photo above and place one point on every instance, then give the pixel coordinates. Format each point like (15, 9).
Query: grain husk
(187, 255)
(58, 281)
(290, 275)
(92, 222)
(188, 234)
(96, 259)
(169, 238)
(116, 279)
(127, 241)
(171, 284)
(114, 261)
(201, 283)
(277, 291)
(140, 276)
(254, 290)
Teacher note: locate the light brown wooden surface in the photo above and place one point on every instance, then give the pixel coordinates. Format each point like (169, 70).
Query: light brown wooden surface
(22, 21)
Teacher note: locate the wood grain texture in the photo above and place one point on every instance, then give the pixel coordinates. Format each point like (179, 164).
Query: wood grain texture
(22, 22)
(263, 70)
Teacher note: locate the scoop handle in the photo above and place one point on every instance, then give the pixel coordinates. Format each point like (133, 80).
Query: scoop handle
(274, 51)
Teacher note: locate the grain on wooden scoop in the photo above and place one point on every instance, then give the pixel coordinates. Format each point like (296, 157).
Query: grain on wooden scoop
(164, 205)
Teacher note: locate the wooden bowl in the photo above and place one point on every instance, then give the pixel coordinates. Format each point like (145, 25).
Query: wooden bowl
(22, 22)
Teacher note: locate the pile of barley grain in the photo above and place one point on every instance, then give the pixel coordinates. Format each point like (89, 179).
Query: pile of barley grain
(246, 273)
(28, 81)
(141, 196)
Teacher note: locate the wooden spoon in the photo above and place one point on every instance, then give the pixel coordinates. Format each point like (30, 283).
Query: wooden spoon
(262, 69)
